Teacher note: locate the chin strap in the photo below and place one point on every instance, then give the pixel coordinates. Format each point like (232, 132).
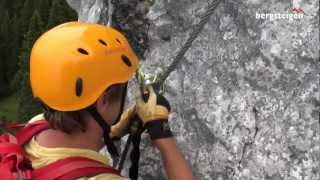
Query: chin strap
(105, 126)
(123, 101)
(106, 130)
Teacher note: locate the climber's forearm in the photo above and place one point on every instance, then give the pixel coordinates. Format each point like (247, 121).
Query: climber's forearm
(175, 165)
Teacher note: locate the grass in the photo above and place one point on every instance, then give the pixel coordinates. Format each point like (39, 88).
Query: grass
(9, 108)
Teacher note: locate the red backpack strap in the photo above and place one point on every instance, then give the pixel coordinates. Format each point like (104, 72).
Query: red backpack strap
(72, 168)
(31, 130)
(12, 125)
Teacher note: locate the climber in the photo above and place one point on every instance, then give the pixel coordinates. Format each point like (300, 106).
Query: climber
(79, 72)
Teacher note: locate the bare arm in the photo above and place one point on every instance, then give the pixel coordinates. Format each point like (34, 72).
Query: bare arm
(154, 112)
(175, 165)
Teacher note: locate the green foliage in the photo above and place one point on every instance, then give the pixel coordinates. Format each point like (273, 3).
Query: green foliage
(12, 6)
(13, 47)
(25, 15)
(42, 6)
(59, 13)
(21, 23)
(8, 108)
(4, 39)
(9, 45)
(28, 107)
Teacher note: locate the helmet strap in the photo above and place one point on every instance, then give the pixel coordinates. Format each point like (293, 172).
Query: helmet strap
(105, 126)
(106, 130)
(124, 94)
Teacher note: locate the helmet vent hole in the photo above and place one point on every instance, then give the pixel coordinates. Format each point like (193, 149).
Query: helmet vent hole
(126, 60)
(118, 41)
(79, 87)
(83, 51)
(102, 42)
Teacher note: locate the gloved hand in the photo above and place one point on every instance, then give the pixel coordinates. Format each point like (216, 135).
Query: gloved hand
(153, 109)
(121, 128)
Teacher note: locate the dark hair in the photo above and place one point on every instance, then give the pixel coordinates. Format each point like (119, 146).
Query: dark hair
(73, 121)
(68, 122)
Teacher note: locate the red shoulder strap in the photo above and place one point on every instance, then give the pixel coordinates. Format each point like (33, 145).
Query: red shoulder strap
(31, 130)
(64, 169)
(72, 168)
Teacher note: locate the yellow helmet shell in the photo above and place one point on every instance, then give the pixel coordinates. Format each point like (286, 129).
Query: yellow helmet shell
(72, 64)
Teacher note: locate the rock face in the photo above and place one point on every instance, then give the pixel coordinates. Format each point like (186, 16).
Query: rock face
(91, 11)
(246, 98)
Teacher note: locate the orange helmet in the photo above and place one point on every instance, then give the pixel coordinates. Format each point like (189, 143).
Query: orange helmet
(72, 64)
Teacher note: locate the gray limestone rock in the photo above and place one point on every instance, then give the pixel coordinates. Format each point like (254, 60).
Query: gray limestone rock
(246, 98)
(95, 11)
